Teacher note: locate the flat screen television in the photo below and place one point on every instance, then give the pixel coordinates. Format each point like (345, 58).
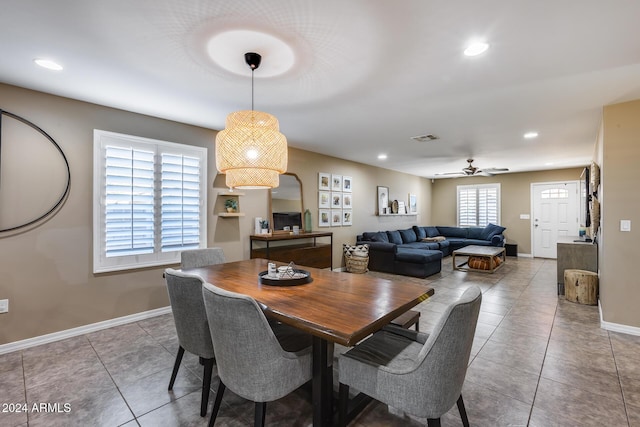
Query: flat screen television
(286, 219)
(585, 198)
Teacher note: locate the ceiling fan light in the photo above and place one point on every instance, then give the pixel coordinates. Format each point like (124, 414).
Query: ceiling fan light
(530, 135)
(476, 48)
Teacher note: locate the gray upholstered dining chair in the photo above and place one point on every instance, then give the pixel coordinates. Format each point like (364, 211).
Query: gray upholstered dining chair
(256, 360)
(192, 326)
(200, 257)
(417, 373)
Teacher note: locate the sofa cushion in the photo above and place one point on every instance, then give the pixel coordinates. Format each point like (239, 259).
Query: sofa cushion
(367, 235)
(431, 231)
(477, 242)
(420, 245)
(380, 236)
(420, 232)
(394, 237)
(408, 235)
(453, 232)
(491, 230)
(418, 255)
(475, 233)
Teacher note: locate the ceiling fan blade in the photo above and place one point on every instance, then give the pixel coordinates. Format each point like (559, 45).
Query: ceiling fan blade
(450, 173)
(491, 170)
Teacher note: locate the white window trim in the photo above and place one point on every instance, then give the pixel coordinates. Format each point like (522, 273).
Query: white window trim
(478, 186)
(101, 139)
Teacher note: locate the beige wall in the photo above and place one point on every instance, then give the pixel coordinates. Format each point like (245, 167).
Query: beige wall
(47, 271)
(515, 190)
(619, 146)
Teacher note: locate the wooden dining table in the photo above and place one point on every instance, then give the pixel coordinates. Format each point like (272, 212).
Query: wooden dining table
(334, 307)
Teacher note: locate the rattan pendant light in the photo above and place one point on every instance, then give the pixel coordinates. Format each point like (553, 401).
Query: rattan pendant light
(251, 151)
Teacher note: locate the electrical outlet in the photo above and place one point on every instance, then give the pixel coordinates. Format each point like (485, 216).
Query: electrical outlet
(4, 305)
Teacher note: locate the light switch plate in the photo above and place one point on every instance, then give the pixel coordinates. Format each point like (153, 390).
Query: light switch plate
(525, 216)
(4, 306)
(625, 225)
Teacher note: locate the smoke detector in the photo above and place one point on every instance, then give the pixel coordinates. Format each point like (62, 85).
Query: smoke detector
(424, 138)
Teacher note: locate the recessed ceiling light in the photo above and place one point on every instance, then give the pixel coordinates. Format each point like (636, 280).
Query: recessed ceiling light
(382, 156)
(48, 64)
(530, 135)
(549, 164)
(476, 48)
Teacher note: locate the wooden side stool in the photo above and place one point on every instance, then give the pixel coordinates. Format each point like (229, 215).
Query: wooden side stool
(581, 286)
(407, 320)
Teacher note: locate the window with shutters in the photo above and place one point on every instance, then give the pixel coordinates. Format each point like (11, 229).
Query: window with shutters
(478, 205)
(149, 201)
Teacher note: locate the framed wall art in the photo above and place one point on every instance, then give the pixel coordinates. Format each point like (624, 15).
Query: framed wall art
(347, 217)
(324, 181)
(346, 184)
(336, 217)
(383, 200)
(347, 199)
(324, 217)
(413, 204)
(336, 200)
(336, 182)
(324, 199)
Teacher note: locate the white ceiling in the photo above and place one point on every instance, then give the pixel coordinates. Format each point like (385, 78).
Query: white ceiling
(368, 74)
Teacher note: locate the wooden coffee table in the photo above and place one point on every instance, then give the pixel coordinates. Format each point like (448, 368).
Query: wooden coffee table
(479, 251)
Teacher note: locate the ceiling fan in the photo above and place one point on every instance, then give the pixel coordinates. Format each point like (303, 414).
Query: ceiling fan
(471, 170)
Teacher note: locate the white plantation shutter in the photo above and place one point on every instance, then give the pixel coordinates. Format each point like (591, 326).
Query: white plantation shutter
(467, 207)
(149, 201)
(478, 205)
(129, 201)
(180, 202)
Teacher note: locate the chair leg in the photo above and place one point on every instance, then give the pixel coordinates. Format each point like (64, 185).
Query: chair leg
(343, 403)
(216, 403)
(433, 422)
(206, 386)
(261, 409)
(463, 412)
(176, 366)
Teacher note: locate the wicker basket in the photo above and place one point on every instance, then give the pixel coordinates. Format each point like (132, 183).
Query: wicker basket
(356, 258)
(356, 264)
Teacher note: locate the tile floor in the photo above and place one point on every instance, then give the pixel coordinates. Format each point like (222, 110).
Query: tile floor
(537, 360)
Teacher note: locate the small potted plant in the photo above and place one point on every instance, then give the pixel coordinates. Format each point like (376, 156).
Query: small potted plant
(264, 226)
(231, 205)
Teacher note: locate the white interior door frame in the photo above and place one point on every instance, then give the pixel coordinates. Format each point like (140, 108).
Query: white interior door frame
(535, 210)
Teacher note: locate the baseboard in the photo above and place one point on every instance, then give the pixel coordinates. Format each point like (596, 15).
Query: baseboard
(617, 327)
(525, 255)
(81, 330)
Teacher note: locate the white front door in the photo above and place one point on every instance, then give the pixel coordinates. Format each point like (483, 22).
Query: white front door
(555, 213)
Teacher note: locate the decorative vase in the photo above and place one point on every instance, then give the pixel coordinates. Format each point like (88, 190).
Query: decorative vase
(308, 226)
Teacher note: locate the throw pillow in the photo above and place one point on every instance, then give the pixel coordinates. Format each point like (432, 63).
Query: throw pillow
(380, 236)
(355, 250)
(491, 230)
(432, 231)
(408, 235)
(394, 237)
(420, 233)
(434, 239)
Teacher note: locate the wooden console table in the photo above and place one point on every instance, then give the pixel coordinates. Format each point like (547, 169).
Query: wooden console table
(574, 253)
(303, 249)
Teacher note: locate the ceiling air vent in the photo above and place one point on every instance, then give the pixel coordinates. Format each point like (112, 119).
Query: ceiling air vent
(424, 138)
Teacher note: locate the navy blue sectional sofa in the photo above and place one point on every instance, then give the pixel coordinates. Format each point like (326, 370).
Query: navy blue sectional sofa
(418, 251)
